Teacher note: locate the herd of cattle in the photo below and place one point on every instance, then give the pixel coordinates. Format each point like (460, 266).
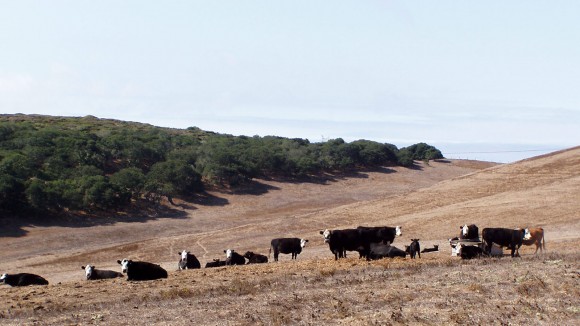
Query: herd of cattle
(370, 242)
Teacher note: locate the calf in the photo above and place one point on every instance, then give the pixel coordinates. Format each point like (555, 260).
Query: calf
(188, 261)
(292, 246)
(215, 263)
(510, 238)
(92, 273)
(381, 250)
(469, 252)
(141, 270)
(414, 248)
(536, 236)
(22, 279)
(255, 258)
(233, 258)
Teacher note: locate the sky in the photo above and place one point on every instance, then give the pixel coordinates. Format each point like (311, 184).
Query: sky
(487, 80)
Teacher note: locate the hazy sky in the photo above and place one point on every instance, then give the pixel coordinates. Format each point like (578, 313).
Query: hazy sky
(491, 80)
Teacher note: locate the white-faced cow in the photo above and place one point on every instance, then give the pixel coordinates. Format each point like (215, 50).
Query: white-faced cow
(381, 250)
(469, 252)
(414, 248)
(254, 258)
(470, 232)
(22, 279)
(341, 241)
(92, 273)
(215, 263)
(510, 238)
(141, 270)
(536, 236)
(233, 258)
(292, 246)
(188, 261)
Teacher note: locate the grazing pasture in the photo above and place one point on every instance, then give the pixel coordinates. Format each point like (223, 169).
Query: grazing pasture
(429, 202)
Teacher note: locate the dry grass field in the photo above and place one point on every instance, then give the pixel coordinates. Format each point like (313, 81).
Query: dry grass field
(429, 202)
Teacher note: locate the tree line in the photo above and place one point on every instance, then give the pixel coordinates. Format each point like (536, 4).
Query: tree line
(51, 164)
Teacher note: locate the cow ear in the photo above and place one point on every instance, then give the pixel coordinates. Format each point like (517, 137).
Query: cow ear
(119, 262)
(82, 267)
(321, 232)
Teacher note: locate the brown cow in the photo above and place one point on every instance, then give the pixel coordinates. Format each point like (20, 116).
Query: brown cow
(536, 237)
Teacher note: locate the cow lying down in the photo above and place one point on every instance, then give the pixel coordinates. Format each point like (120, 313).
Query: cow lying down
(141, 271)
(22, 279)
(99, 274)
(380, 250)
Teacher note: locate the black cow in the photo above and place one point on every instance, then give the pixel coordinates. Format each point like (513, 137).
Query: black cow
(233, 258)
(254, 258)
(99, 274)
(435, 248)
(215, 263)
(470, 232)
(469, 252)
(141, 270)
(377, 234)
(188, 261)
(510, 238)
(414, 248)
(22, 279)
(341, 241)
(381, 250)
(292, 246)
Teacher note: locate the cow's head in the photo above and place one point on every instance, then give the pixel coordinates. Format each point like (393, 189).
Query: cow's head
(303, 243)
(458, 248)
(3, 278)
(125, 263)
(398, 231)
(527, 234)
(464, 230)
(183, 255)
(88, 270)
(414, 240)
(248, 254)
(229, 253)
(326, 235)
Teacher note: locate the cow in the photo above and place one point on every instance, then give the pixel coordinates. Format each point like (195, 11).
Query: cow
(435, 248)
(92, 273)
(254, 258)
(469, 232)
(22, 279)
(292, 246)
(536, 236)
(414, 248)
(381, 250)
(340, 241)
(377, 234)
(233, 258)
(141, 270)
(469, 252)
(510, 238)
(215, 263)
(188, 261)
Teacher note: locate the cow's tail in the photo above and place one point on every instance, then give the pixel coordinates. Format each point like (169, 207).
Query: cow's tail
(543, 244)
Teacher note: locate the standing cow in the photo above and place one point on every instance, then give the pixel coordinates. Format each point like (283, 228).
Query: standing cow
(188, 261)
(341, 241)
(233, 258)
(414, 248)
(141, 270)
(292, 246)
(22, 279)
(510, 238)
(536, 236)
(92, 273)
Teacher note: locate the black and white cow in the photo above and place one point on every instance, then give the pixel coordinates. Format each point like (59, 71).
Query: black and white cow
(188, 261)
(414, 248)
(215, 263)
(469, 232)
(510, 238)
(92, 273)
(22, 279)
(141, 270)
(233, 258)
(254, 258)
(381, 250)
(341, 241)
(292, 246)
(469, 252)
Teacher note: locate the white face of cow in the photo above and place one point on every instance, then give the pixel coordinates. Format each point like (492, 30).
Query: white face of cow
(229, 253)
(89, 271)
(326, 235)
(398, 231)
(2, 278)
(464, 230)
(303, 243)
(184, 255)
(458, 248)
(124, 265)
(527, 234)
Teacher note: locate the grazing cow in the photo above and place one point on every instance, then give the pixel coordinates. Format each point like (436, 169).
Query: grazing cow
(99, 274)
(469, 232)
(414, 248)
(141, 270)
(536, 237)
(469, 252)
(22, 279)
(435, 248)
(233, 258)
(188, 261)
(215, 263)
(381, 250)
(510, 238)
(254, 258)
(292, 246)
(340, 241)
